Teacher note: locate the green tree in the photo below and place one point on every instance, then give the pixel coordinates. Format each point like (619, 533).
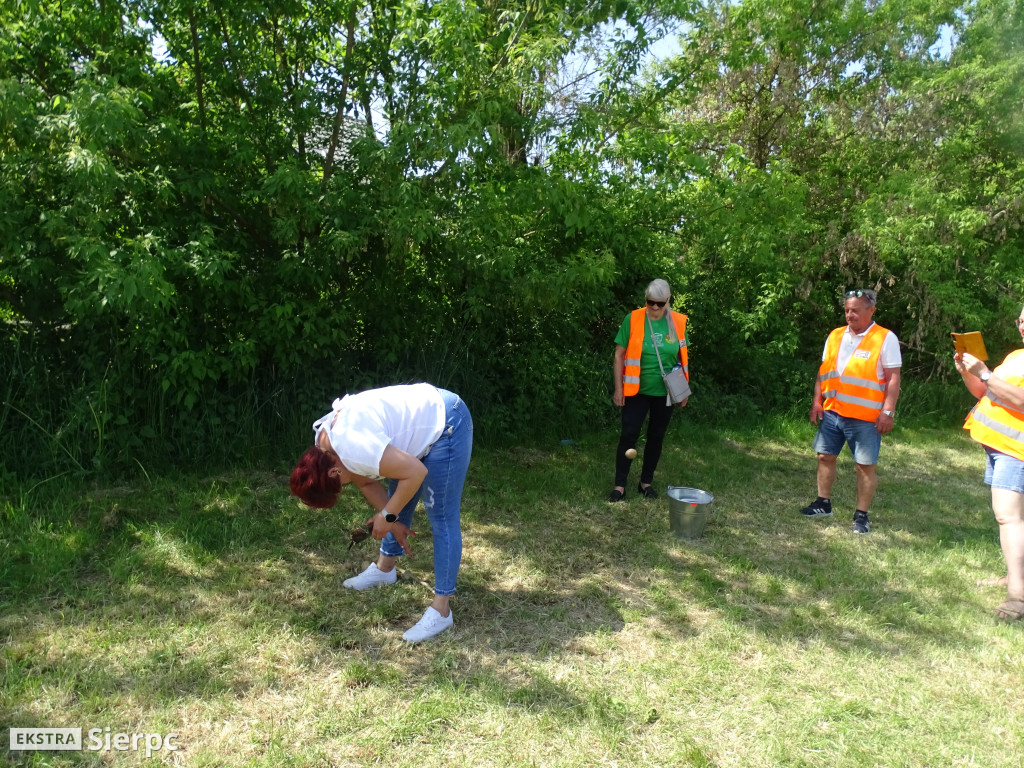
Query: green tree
(299, 200)
(801, 140)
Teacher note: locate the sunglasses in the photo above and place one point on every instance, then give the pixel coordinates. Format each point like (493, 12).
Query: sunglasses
(857, 294)
(658, 304)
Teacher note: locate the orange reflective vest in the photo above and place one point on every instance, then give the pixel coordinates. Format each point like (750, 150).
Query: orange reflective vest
(637, 330)
(857, 393)
(996, 423)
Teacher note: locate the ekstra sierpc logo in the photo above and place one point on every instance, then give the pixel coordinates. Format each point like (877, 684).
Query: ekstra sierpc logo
(96, 740)
(46, 739)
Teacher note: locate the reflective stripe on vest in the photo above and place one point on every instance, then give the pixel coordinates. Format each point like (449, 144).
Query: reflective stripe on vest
(1003, 404)
(634, 349)
(857, 392)
(994, 422)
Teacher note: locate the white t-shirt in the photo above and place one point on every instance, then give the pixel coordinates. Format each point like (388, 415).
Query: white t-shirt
(891, 357)
(408, 416)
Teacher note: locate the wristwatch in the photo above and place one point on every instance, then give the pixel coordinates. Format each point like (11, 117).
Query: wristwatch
(890, 414)
(389, 517)
(985, 377)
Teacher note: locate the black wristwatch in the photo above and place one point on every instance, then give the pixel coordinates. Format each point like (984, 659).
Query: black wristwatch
(389, 517)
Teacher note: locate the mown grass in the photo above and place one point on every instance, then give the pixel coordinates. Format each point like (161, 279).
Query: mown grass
(585, 634)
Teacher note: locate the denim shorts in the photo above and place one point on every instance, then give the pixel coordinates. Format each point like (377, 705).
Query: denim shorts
(834, 431)
(1004, 472)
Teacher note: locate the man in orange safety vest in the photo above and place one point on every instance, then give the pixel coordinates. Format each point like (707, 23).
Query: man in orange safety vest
(854, 403)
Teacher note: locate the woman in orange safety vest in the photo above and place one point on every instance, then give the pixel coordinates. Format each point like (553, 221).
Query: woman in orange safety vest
(997, 422)
(645, 334)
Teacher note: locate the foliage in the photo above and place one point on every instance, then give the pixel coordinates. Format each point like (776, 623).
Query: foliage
(215, 222)
(831, 145)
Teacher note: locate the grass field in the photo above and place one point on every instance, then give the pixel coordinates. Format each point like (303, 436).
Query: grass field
(585, 635)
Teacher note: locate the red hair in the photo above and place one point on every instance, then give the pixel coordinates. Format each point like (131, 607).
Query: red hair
(310, 481)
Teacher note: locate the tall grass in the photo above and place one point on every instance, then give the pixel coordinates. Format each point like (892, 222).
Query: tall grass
(212, 606)
(56, 419)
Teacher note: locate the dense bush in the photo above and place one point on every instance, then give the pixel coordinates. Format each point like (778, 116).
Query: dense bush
(201, 246)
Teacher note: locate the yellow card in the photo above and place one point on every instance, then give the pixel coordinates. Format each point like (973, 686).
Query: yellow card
(970, 342)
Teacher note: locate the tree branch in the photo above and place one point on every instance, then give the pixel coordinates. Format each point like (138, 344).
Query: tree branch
(198, 64)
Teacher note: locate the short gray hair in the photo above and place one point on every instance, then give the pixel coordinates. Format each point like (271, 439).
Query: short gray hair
(658, 290)
(862, 293)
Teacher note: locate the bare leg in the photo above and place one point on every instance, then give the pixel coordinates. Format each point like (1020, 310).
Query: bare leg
(826, 474)
(440, 603)
(867, 482)
(1008, 507)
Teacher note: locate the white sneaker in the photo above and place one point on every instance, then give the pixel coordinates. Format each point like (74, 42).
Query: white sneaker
(431, 624)
(372, 577)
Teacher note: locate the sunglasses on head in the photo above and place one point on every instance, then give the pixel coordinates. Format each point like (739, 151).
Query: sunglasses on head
(855, 294)
(658, 304)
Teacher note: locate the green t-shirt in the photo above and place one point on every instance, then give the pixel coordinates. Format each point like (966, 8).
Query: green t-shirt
(650, 374)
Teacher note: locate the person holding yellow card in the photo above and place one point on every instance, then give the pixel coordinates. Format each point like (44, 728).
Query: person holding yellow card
(970, 342)
(997, 423)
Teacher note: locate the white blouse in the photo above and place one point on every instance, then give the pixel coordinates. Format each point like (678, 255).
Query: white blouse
(408, 416)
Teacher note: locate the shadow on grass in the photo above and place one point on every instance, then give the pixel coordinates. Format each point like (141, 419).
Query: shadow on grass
(761, 565)
(180, 581)
(127, 598)
(764, 566)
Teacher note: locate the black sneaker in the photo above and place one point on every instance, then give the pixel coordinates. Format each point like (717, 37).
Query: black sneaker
(818, 508)
(616, 495)
(860, 522)
(648, 492)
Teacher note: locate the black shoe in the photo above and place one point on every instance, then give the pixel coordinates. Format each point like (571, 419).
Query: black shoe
(818, 508)
(648, 492)
(616, 495)
(860, 522)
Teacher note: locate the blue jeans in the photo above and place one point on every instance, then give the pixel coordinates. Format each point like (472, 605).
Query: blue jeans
(447, 462)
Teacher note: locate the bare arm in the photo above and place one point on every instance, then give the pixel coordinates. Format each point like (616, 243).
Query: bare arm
(971, 368)
(407, 470)
(974, 385)
(893, 377)
(372, 491)
(1008, 393)
(620, 364)
(410, 473)
(817, 409)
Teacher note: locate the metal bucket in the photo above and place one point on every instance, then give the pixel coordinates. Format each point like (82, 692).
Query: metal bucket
(688, 510)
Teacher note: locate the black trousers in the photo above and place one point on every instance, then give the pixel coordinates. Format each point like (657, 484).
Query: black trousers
(636, 409)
